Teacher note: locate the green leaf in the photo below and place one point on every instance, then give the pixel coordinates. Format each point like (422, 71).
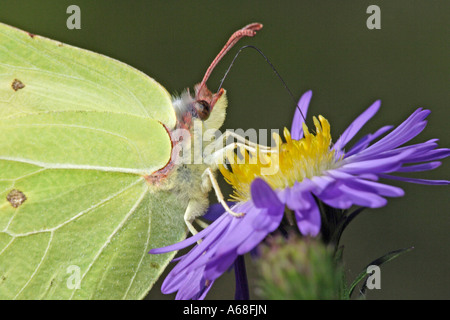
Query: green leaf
(78, 133)
(377, 262)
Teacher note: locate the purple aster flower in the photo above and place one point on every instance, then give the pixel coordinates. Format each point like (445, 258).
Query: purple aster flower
(306, 169)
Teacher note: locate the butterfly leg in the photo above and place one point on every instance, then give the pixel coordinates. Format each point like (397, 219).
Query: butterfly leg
(218, 157)
(208, 174)
(241, 140)
(193, 210)
(202, 224)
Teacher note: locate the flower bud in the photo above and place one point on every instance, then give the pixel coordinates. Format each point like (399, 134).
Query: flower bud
(298, 269)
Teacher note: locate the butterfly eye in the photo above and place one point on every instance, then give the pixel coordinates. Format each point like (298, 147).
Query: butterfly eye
(203, 109)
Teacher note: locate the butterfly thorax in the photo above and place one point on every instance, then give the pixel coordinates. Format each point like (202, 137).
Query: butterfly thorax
(185, 110)
(196, 120)
(189, 113)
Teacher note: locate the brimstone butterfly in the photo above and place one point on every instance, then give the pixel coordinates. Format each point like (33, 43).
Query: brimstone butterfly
(88, 179)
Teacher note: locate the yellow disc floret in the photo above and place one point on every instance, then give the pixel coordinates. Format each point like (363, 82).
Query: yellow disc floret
(288, 162)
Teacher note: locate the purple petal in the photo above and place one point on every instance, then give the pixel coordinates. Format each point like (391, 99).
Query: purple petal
(309, 221)
(366, 140)
(173, 282)
(343, 194)
(295, 199)
(418, 151)
(336, 198)
(321, 183)
(251, 229)
(356, 125)
(267, 218)
(217, 267)
(209, 244)
(241, 229)
(297, 122)
(284, 194)
(191, 286)
(431, 155)
(256, 238)
(189, 241)
(262, 194)
(375, 187)
(388, 164)
(177, 246)
(414, 180)
(215, 211)
(201, 295)
(420, 167)
(368, 176)
(362, 198)
(407, 130)
(339, 174)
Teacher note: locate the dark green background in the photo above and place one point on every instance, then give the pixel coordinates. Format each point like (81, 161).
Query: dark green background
(320, 45)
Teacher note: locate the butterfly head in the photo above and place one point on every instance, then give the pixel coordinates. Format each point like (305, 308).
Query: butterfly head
(201, 105)
(205, 101)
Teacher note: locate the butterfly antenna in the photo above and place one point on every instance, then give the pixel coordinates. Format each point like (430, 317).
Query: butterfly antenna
(273, 68)
(247, 31)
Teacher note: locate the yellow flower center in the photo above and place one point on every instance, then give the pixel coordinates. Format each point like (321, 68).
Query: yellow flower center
(293, 161)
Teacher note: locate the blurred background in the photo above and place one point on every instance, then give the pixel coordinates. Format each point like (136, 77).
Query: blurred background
(323, 46)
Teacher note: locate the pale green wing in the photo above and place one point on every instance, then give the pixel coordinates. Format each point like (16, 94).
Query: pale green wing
(78, 132)
(59, 77)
